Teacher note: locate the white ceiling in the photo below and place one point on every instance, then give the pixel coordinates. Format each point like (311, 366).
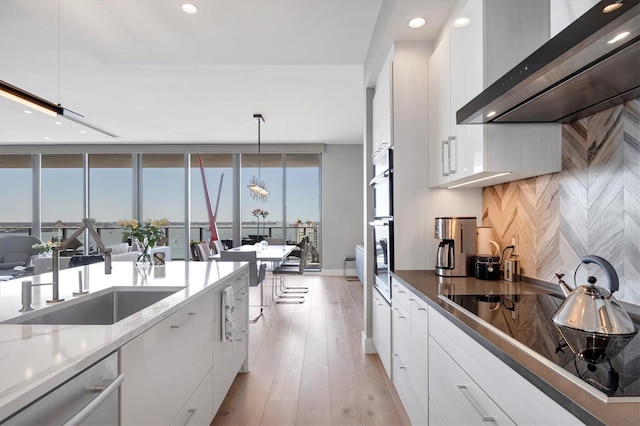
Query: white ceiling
(147, 72)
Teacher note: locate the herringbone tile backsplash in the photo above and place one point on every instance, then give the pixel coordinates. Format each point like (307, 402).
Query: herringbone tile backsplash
(591, 207)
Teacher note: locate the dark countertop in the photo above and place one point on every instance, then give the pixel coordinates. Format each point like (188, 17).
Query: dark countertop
(586, 403)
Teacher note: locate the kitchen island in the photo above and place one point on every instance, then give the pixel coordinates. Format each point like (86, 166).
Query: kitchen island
(36, 358)
(452, 317)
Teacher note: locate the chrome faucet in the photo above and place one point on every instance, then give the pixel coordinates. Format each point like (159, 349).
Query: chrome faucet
(87, 224)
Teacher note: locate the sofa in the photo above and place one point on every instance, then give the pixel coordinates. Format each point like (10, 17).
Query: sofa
(16, 250)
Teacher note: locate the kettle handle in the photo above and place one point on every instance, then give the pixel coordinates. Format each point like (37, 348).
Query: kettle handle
(612, 276)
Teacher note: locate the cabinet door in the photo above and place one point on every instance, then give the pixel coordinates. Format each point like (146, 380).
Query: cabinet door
(381, 312)
(467, 147)
(229, 357)
(439, 112)
(165, 364)
(382, 109)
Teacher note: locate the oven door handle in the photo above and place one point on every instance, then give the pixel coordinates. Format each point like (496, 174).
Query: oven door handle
(379, 223)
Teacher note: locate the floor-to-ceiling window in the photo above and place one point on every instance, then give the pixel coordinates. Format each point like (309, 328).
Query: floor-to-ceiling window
(152, 186)
(218, 168)
(163, 195)
(61, 197)
(303, 200)
(261, 219)
(15, 192)
(110, 189)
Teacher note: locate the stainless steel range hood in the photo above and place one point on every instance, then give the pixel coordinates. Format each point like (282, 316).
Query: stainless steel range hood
(575, 74)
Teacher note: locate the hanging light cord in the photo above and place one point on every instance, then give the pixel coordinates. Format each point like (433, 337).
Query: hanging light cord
(259, 153)
(58, 52)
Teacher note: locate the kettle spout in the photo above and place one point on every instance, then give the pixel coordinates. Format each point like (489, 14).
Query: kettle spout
(563, 285)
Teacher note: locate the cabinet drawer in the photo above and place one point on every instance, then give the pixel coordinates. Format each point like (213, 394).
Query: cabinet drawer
(458, 399)
(198, 410)
(400, 295)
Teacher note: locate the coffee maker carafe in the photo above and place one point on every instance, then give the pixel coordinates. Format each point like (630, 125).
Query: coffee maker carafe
(457, 248)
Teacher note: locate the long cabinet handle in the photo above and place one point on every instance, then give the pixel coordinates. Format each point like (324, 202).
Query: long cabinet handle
(184, 321)
(242, 296)
(244, 334)
(464, 390)
(398, 312)
(399, 362)
(453, 169)
(96, 402)
(445, 174)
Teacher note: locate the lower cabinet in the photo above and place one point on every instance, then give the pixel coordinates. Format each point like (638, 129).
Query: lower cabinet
(381, 318)
(198, 410)
(457, 399)
(470, 385)
(410, 358)
(230, 357)
(180, 370)
(165, 364)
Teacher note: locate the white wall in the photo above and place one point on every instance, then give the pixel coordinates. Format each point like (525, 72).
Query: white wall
(342, 221)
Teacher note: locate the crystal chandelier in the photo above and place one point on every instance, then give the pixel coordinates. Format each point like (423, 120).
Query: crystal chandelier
(256, 185)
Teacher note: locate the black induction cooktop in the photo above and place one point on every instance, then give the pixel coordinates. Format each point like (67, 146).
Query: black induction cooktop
(527, 319)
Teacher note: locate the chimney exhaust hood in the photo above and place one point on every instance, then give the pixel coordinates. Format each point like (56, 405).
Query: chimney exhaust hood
(584, 69)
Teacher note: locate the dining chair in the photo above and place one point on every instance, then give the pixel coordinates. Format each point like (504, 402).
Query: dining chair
(281, 271)
(256, 272)
(204, 252)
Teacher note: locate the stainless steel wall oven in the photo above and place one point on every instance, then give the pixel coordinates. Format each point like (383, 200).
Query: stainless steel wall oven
(382, 185)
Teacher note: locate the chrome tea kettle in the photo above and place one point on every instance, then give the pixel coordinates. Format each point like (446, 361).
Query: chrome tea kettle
(592, 322)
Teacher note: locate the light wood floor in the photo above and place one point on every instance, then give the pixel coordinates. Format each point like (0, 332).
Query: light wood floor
(307, 365)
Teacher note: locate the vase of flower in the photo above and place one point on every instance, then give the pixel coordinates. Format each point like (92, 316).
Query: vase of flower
(147, 234)
(144, 259)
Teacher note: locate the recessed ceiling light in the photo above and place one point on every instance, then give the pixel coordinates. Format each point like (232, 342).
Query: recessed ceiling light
(611, 7)
(417, 22)
(618, 37)
(26, 111)
(82, 132)
(57, 122)
(461, 22)
(491, 114)
(46, 138)
(189, 8)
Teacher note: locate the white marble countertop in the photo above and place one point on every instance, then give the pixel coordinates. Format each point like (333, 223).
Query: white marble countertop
(36, 358)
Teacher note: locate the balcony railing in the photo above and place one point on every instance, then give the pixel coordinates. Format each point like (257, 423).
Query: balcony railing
(112, 234)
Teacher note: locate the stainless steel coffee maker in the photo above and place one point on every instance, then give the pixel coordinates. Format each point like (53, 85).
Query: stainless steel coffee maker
(457, 248)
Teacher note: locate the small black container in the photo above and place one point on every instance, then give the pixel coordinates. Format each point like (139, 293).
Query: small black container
(488, 267)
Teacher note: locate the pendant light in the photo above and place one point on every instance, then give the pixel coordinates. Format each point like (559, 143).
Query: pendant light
(256, 186)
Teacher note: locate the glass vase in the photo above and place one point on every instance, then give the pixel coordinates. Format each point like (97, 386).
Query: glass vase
(144, 259)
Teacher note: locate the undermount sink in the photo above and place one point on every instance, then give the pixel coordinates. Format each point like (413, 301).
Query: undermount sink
(102, 308)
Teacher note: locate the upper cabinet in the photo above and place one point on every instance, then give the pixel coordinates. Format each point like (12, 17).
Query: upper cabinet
(482, 41)
(382, 110)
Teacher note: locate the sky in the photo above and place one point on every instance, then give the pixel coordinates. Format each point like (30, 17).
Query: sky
(111, 194)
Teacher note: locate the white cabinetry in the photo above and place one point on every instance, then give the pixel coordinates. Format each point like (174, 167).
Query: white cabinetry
(381, 318)
(383, 110)
(179, 370)
(165, 364)
(230, 357)
(469, 385)
(410, 357)
(466, 60)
